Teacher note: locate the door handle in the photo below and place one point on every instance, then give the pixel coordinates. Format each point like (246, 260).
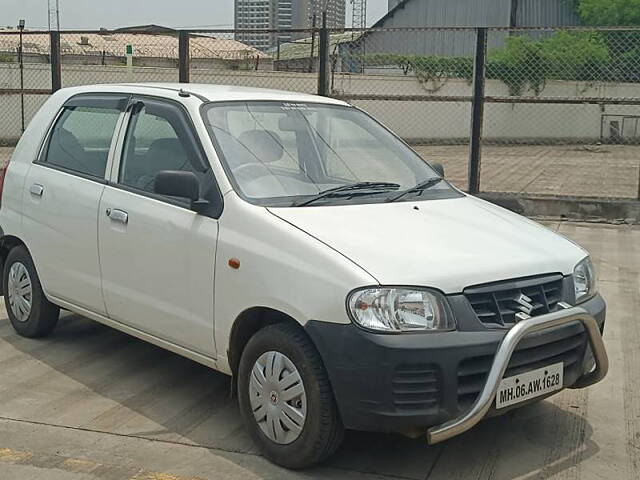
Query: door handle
(36, 189)
(117, 215)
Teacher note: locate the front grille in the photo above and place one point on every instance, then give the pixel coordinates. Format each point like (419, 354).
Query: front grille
(472, 372)
(497, 304)
(416, 388)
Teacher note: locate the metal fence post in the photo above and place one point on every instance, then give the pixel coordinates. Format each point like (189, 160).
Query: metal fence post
(21, 60)
(323, 58)
(477, 111)
(183, 56)
(56, 72)
(313, 45)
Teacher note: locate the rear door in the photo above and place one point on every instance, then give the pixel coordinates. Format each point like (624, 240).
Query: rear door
(157, 255)
(63, 190)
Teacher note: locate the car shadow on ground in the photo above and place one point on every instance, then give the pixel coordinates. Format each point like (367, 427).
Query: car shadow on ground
(119, 384)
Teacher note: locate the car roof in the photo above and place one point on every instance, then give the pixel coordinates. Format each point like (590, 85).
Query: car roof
(207, 92)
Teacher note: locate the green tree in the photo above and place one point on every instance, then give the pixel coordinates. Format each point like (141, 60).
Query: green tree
(528, 63)
(428, 69)
(576, 56)
(518, 64)
(624, 46)
(604, 13)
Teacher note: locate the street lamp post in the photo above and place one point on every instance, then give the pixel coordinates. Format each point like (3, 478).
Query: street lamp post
(21, 60)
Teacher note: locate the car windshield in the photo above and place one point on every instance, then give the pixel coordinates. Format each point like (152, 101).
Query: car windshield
(294, 154)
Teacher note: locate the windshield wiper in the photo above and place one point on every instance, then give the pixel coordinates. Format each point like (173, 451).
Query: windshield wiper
(419, 188)
(352, 187)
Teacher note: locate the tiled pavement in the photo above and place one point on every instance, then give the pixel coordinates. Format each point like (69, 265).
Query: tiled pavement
(573, 170)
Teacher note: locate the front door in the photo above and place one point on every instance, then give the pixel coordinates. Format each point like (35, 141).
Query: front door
(157, 255)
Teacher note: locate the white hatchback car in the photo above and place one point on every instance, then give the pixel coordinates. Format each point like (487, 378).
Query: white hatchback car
(295, 243)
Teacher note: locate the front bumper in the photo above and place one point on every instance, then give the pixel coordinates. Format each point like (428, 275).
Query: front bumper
(410, 383)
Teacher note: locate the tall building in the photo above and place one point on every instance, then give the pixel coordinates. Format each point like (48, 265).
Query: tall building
(283, 14)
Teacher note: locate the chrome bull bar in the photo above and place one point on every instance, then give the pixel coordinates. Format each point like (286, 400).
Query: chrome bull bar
(507, 346)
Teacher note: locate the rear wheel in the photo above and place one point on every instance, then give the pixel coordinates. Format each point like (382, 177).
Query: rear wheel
(285, 398)
(30, 313)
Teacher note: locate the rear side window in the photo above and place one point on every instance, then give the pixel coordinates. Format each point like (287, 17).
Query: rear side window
(81, 138)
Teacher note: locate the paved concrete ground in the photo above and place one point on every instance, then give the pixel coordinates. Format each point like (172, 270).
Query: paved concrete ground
(592, 171)
(575, 170)
(92, 403)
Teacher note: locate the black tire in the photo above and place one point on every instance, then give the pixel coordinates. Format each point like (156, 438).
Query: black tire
(43, 317)
(322, 432)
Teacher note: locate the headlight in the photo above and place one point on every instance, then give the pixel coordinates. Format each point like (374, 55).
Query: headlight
(584, 280)
(400, 310)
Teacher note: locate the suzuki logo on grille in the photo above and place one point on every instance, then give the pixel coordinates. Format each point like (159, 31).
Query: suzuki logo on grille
(525, 304)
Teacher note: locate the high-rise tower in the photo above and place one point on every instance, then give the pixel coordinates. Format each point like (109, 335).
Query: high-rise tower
(359, 18)
(283, 14)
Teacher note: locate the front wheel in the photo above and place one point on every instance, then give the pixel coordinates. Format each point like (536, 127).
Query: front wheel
(285, 398)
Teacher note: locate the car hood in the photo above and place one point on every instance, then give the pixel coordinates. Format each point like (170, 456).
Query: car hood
(447, 244)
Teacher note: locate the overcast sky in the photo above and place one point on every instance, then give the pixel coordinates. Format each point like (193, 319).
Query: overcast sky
(92, 14)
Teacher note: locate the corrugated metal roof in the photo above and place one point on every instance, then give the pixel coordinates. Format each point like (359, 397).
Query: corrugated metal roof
(546, 13)
(448, 13)
(438, 13)
(302, 48)
(144, 45)
(479, 13)
(461, 13)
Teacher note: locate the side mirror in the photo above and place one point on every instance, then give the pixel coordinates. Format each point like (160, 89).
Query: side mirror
(176, 183)
(438, 167)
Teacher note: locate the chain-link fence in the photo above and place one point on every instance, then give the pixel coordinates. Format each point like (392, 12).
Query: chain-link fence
(527, 111)
(562, 114)
(25, 80)
(417, 81)
(114, 57)
(222, 57)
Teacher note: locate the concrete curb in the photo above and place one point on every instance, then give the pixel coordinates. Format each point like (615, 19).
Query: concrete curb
(599, 210)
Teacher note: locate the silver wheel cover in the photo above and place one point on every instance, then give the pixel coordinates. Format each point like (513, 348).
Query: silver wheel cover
(19, 291)
(277, 396)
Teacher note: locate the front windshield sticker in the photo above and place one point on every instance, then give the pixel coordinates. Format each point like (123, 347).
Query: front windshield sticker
(295, 106)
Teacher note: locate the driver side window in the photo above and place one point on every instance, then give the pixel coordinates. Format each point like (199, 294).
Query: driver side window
(155, 141)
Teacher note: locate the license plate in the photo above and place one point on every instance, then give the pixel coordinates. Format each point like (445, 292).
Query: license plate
(528, 385)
